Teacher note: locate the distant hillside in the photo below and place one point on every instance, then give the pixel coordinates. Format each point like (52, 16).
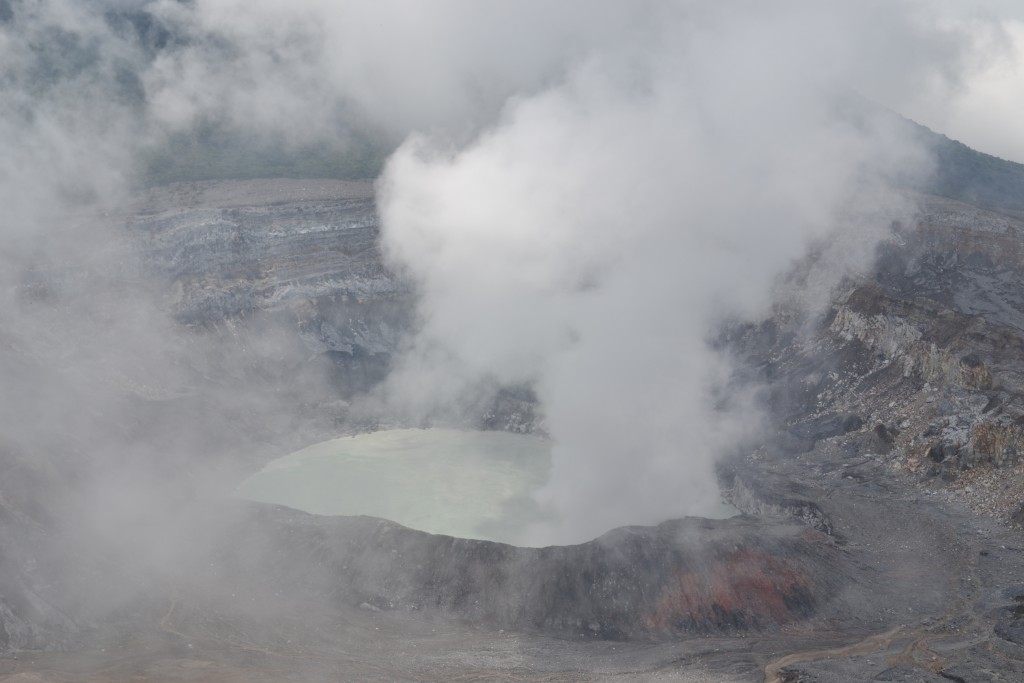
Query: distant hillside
(973, 177)
(214, 149)
(959, 172)
(214, 152)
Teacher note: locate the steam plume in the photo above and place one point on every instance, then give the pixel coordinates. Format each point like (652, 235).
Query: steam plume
(593, 240)
(586, 191)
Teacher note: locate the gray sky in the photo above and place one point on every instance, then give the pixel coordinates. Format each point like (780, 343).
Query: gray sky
(981, 106)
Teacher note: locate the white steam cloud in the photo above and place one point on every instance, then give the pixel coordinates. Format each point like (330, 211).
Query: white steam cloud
(586, 192)
(594, 239)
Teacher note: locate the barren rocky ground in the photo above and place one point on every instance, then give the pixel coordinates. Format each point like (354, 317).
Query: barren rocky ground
(879, 539)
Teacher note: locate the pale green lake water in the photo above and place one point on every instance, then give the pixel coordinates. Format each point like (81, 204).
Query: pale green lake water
(469, 484)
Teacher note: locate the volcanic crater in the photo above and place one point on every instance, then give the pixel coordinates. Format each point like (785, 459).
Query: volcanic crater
(859, 552)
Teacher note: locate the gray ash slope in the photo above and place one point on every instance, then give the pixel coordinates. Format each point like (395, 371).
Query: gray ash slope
(885, 502)
(303, 250)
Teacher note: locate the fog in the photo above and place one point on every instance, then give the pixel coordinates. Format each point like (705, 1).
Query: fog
(582, 194)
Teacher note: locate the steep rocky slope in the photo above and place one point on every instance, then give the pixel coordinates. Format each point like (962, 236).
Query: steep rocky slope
(304, 251)
(917, 365)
